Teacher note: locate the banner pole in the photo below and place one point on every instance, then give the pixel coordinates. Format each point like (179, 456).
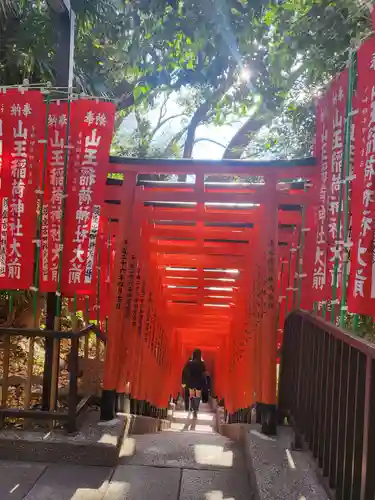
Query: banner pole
(39, 218)
(108, 276)
(280, 291)
(57, 319)
(98, 277)
(346, 163)
(39, 215)
(301, 245)
(355, 322)
(63, 204)
(288, 282)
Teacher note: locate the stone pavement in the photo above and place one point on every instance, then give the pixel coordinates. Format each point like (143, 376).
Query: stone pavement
(188, 462)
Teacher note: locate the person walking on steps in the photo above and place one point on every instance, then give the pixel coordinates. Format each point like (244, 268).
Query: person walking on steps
(185, 387)
(194, 378)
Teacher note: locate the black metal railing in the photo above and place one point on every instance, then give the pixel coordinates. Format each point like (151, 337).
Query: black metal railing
(76, 366)
(327, 389)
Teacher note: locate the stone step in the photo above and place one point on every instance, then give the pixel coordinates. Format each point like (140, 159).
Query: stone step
(65, 482)
(148, 425)
(192, 450)
(21, 481)
(94, 444)
(142, 483)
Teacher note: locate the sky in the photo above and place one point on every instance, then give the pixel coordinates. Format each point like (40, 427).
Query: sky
(202, 149)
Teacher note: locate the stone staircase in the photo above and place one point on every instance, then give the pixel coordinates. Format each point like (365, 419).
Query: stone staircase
(187, 460)
(96, 443)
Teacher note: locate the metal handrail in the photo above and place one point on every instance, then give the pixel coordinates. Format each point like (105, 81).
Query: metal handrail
(74, 408)
(56, 334)
(327, 389)
(346, 336)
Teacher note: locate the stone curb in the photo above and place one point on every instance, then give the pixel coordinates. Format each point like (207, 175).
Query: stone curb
(274, 470)
(148, 425)
(98, 446)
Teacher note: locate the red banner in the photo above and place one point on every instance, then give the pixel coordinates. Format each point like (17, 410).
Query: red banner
(338, 92)
(107, 258)
(308, 257)
(323, 150)
(91, 136)
(329, 151)
(22, 123)
(361, 291)
(53, 196)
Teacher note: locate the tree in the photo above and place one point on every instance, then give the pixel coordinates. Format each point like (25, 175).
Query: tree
(125, 54)
(132, 51)
(318, 38)
(151, 139)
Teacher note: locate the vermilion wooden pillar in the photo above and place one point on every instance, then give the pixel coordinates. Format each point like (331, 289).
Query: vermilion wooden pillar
(117, 299)
(134, 334)
(141, 366)
(268, 356)
(125, 374)
(250, 338)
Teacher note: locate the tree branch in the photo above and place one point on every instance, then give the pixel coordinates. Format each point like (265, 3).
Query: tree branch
(166, 120)
(175, 139)
(163, 112)
(206, 139)
(242, 137)
(200, 115)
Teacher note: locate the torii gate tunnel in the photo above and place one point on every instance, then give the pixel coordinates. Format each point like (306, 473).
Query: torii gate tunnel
(196, 267)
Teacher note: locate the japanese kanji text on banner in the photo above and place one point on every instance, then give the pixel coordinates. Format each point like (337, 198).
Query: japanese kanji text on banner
(362, 278)
(91, 136)
(22, 120)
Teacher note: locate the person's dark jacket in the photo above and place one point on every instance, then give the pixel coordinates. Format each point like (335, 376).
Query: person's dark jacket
(194, 374)
(185, 375)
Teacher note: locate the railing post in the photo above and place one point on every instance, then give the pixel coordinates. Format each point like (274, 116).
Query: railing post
(299, 361)
(73, 386)
(4, 385)
(366, 425)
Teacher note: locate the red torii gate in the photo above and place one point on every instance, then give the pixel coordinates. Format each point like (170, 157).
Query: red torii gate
(196, 265)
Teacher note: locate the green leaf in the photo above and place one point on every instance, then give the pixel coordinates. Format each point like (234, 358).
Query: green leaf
(268, 18)
(140, 90)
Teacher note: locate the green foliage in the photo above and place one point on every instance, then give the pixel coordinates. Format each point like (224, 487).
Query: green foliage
(135, 50)
(361, 325)
(149, 139)
(115, 176)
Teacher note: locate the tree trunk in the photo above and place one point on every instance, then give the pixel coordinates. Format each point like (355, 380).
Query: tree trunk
(199, 116)
(242, 137)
